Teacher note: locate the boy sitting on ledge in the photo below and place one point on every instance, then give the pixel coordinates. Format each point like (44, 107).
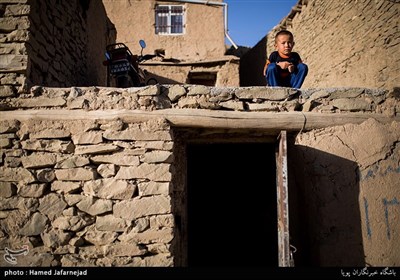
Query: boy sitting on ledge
(285, 68)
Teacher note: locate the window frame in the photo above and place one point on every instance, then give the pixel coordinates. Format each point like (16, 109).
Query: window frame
(168, 29)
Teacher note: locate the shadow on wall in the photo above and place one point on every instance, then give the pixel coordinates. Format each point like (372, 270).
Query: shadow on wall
(252, 65)
(160, 79)
(100, 34)
(327, 229)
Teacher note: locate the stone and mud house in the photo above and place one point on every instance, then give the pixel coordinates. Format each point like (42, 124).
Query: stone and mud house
(189, 36)
(159, 175)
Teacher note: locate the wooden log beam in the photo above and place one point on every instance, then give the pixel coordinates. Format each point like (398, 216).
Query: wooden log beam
(201, 118)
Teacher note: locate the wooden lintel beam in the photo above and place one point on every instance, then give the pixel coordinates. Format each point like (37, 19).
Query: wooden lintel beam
(202, 118)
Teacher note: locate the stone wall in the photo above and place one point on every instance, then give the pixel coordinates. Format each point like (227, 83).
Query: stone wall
(346, 43)
(85, 182)
(157, 97)
(47, 43)
(14, 25)
(87, 193)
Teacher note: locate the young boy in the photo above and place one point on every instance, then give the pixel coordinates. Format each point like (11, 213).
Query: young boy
(284, 68)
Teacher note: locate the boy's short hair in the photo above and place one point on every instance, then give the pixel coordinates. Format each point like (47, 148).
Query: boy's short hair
(284, 32)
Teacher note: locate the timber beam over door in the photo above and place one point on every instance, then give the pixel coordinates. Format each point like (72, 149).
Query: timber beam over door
(203, 118)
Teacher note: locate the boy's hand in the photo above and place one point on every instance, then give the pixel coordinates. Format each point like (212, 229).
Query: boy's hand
(286, 65)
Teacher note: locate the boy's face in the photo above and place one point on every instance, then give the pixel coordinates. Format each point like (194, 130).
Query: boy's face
(284, 44)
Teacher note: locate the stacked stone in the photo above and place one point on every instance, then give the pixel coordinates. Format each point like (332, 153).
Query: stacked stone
(86, 193)
(14, 24)
(336, 100)
(158, 97)
(41, 43)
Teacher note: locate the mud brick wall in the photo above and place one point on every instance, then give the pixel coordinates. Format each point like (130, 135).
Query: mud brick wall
(348, 179)
(346, 43)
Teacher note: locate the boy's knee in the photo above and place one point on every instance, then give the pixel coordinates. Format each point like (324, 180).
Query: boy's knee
(302, 67)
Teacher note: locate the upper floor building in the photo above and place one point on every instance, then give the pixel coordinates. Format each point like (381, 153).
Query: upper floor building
(184, 30)
(189, 36)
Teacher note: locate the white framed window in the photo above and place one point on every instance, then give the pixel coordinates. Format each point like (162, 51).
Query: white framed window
(170, 19)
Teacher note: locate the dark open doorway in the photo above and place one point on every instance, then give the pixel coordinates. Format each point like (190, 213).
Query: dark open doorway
(232, 208)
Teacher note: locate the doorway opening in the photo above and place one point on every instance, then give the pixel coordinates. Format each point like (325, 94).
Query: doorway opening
(206, 78)
(231, 205)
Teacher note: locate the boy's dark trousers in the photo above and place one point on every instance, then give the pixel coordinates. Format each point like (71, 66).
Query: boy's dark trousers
(293, 80)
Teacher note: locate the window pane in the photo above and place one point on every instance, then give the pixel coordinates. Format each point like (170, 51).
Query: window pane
(176, 24)
(177, 9)
(162, 9)
(162, 24)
